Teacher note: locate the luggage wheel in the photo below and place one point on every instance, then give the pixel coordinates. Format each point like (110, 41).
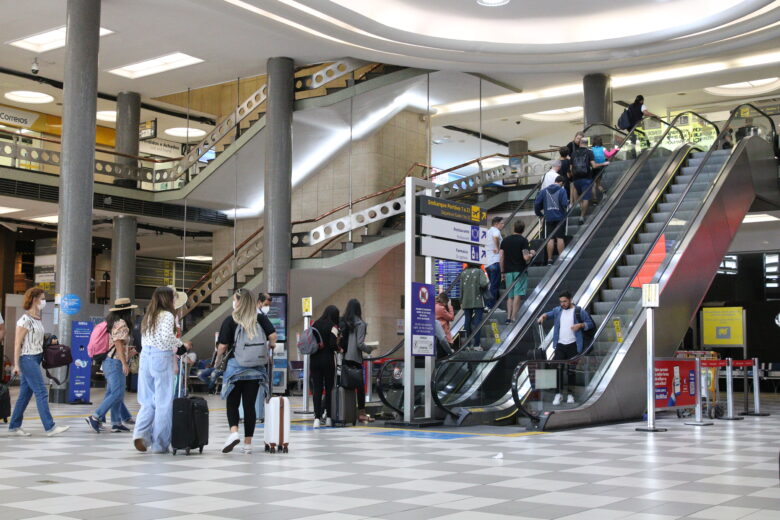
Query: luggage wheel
(268, 448)
(201, 449)
(174, 451)
(187, 452)
(285, 450)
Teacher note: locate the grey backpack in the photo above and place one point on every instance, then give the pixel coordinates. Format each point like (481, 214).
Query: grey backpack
(250, 352)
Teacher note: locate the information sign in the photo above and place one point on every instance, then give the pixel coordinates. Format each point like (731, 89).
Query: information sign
(453, 230)
(675, 383)
(306, 306)
(448, 250)
(278, 315)
(147, 130)
(70, 304)
(423, 319)
(722, 326)
(450, 210)
(81, 367)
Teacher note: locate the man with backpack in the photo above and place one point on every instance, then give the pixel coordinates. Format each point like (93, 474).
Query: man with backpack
(583, 162)
(573, 331)
(551, 203)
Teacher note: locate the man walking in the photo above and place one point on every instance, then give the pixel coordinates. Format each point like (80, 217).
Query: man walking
(492, 265)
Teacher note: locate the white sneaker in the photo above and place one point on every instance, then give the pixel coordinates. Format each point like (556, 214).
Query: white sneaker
(57, 430)
(557, 400)
(570, 399)
(328, 422)
(246, 449)
(18, 433)
(316, 423)
(231, 442)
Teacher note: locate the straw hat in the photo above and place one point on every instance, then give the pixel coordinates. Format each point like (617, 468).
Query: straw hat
(179, 299)
(122, 304)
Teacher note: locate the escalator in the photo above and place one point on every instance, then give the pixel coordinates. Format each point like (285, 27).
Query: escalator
(678, 243)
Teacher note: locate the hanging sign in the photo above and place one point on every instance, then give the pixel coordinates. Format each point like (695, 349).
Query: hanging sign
(450, 210)
(452, 230)
(448, 250)
(147, 130)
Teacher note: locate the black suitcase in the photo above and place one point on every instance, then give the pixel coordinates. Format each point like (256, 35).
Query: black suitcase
(190, 428)
(5, 401)
(343, 408)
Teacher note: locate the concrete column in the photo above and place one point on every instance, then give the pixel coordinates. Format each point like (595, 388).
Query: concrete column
(277, 245)
(74, 237)
(598, 99)
(128, 116)
(123, 257)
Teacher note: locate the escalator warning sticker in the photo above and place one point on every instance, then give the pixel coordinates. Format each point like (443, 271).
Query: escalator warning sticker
(618, 330)
(496, 333)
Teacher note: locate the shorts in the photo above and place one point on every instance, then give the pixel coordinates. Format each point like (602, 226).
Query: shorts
(583, 190)
(522, 286)
(549, 229)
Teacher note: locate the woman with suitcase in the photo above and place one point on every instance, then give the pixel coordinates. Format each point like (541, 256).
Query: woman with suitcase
(244, 329)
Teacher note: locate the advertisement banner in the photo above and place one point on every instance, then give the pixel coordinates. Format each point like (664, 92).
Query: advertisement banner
(675, 383)
(423, 320)
(722, 326)
(81, 367)
(277, 314)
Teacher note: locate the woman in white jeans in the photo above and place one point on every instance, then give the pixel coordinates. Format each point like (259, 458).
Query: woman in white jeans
(156, 373)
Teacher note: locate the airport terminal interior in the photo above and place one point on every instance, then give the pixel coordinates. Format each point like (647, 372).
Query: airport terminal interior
(347, 259)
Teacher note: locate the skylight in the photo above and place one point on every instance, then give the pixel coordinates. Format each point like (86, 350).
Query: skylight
(48, 40)
(165, 63)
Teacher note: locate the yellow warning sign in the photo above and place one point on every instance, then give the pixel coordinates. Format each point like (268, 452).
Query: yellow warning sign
(306, 306)
(496, 333)
(618, 330)
(722, 326)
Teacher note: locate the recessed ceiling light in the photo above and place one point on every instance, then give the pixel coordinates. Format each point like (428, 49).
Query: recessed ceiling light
(28, 96)
(4, 210)
(492, 3)
(185, 132)
(195, 258)
(745, 88)
(758, 217)
(558, 114)
(106, 115)
(51, 219)
(48, 40)
(165, 63)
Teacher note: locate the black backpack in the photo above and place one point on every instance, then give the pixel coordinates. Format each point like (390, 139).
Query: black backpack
(588, 335)
(580, 163)
(624, 121)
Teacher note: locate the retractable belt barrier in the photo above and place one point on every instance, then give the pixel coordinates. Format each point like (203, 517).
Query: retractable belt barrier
(729, 364)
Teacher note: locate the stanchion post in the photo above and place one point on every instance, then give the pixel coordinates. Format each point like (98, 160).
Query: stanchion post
(369, 380)
(698, 419)
(730, 392)
(756, 393)
(650, 302)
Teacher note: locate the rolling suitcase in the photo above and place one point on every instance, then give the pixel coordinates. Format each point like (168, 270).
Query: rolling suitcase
(343, 408)
(190, 428)
(276, 429)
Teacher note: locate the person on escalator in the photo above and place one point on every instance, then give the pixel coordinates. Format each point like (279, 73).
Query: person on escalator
(515, 254)
(601, 161)
(569, 323)
(473, 282)
(492, 267)
(565, 169)
(583, 163)
(551, 203)
(323, 364)
(445, 314)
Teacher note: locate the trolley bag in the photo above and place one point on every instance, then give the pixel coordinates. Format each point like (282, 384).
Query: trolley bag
(276, 427)
(190, 426)
(343, 409)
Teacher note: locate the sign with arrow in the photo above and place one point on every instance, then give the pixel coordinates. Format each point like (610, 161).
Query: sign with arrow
(452, 230)
(450, 210)
(449, 250)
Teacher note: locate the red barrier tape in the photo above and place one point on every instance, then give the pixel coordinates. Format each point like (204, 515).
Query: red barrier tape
(742, 363)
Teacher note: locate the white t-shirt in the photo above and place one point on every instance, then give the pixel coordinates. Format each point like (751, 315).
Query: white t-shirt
(32, 343)
(566, 335)
(549, 178)
(493, 257)
(644, 109)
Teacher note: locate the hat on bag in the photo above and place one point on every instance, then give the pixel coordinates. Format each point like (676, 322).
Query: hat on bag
(122, 304)
(179, 298)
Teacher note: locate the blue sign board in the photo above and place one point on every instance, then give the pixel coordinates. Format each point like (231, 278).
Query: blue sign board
(70, 304)
(423, 320)
(81, 367)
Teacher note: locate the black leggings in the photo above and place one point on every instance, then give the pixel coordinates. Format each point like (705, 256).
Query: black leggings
(322, 378)
(245, 391)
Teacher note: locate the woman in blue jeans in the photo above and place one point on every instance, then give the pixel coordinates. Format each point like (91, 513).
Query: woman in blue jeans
(28, 354)
(115, 368)
(156, 373)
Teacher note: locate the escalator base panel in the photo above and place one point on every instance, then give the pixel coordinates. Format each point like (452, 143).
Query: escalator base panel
(415, 423)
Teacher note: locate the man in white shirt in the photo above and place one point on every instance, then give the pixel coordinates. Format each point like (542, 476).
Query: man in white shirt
(550, 176)
(493, 261)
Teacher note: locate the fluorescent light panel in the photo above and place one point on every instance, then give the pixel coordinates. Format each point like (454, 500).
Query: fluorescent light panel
(51, 219)
(29, 96)
(753, 218)
(195, 258)
(165, 63)
(47, 40)
(4, 210)
(106, 115)
(185, 132)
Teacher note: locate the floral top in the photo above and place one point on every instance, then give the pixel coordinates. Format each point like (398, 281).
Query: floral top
(32, 343)
(119, 332)
(162, 336)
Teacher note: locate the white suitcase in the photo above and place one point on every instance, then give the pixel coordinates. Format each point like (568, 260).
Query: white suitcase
(276, 430)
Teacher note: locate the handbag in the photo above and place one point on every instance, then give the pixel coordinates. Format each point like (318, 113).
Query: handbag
(351, 375)
(55, 356)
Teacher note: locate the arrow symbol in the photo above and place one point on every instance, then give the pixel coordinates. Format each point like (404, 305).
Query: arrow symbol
(484, 234)
(484, 253)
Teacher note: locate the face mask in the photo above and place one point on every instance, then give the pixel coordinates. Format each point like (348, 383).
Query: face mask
(42, 305)
(264, 309)
(235, 304)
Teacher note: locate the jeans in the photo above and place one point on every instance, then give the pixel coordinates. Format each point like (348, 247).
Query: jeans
(210, 376)
(115, 392)
(473, 316)
(31, 383)
(564, 352)
(155, 395)
(494, 277)
(124, 413)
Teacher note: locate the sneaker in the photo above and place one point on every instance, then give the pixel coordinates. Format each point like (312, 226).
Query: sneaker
(93, 423)
(508, 322)
(129, 421)
(231, 442)
(246, 449)
(581, 221)
(328, 422)
(570, 399)
(57, 430)
(557, 400)
(18, 433)
(139, 444)
(316, 423)
(120, 428)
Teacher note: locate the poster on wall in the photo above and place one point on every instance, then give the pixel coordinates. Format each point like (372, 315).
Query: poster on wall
(722, 326)
(81, 367)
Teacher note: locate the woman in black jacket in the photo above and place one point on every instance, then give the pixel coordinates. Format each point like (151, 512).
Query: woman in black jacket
(322, 364)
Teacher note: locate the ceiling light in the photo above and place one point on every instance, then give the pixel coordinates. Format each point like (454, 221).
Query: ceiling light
(51, 219)
(745, 88)
(28, 96)
(667, 74)
(185, 132)
(48, 40)
(492, 3)
(195, 258)
(758, 217)
(106, 115)
(4, 210)
(165, 63)
(558, 114)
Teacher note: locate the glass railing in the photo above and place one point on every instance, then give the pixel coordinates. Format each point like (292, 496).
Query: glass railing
(535, 382)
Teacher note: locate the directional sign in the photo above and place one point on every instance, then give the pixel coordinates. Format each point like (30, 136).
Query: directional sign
(452, 230)
(449, 250)
(449, 210)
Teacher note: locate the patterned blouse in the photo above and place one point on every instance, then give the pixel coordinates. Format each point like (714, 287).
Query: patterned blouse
(32, 343)
(162, 336)
(119, 332)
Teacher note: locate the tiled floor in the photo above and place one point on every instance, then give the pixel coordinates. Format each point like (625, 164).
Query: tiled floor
(726, 471)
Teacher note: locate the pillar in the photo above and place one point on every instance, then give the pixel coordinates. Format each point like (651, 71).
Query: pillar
(516, 147)
(74, 235)
(277, 237)
(128, 117)
(123, 257)
(597, 104)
